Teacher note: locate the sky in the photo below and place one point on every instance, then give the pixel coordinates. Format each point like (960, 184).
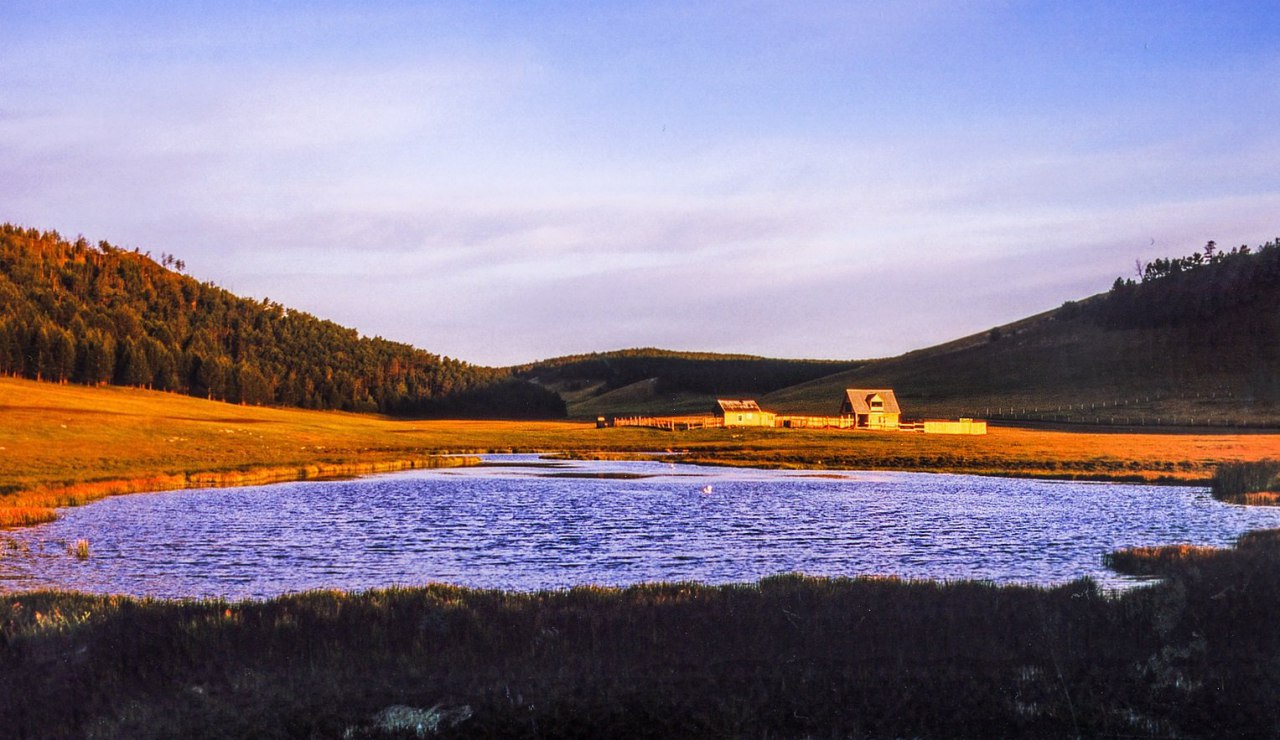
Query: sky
(502, 182)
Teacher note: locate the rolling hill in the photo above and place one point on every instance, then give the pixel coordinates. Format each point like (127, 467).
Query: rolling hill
(1196, 342)
(648, 380)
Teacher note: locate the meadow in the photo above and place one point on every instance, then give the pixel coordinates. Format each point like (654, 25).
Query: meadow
(66, 445)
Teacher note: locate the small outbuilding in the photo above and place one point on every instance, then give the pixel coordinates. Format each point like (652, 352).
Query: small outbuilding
(744, 413)
(871, 408)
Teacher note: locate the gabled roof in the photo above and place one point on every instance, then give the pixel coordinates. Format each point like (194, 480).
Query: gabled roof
(729, 405)
(860, 399)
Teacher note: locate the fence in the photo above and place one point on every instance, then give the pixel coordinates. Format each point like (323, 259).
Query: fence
(670, 423)
(684, 423)
(1130, 412)
(813, 422)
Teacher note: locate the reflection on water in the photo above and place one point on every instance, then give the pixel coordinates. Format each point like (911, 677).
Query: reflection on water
(530, 526)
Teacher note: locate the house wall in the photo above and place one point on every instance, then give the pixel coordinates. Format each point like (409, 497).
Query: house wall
(881, 421)
(748, 419)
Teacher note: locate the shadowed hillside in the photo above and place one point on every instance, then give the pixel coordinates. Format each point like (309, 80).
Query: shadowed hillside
(655, 380)
(1196, 342)
(75, 312)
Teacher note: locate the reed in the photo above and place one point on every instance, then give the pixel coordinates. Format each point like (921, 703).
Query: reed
(1249, 482)
(25, 516)
(1153, 561)
(790, 656)
(79, 549)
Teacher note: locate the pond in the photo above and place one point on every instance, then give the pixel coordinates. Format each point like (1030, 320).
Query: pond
(522, 523)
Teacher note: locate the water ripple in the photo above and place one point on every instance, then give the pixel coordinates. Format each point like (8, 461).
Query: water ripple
(510, 526)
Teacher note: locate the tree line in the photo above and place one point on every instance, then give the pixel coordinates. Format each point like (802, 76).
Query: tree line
(97, 314)
(1207, 286)
(1213, 314)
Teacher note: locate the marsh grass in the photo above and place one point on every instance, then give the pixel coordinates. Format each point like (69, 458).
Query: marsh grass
(79, 549)
(25, 516)
(1254, 482)
(789, 656)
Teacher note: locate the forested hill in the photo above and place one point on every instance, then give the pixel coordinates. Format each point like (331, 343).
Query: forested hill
(95, 314)
(1193, 338)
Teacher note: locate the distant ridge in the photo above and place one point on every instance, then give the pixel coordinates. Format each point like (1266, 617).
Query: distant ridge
(647, 379)
(96, 314)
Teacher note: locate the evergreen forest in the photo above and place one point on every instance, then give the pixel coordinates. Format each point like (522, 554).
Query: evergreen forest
(98, 314)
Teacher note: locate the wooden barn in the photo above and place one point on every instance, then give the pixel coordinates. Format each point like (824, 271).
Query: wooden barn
(871, 408)
(744, 413)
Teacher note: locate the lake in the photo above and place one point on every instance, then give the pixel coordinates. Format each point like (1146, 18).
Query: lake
(523, 523)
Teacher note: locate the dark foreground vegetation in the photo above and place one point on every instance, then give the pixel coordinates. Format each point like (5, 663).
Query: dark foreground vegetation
(96, 314)
(1197, 654)
(1255, 482)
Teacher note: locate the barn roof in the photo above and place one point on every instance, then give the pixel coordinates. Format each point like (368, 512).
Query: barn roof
(860, 399)
(736, 406)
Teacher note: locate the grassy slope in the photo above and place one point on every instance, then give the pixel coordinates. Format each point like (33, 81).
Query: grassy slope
(68, 444)
(1045, 362)
(1195, 656)
(657, 381)
(637, 399)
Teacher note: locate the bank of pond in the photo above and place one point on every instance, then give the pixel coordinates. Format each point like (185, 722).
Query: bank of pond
(1192, 652)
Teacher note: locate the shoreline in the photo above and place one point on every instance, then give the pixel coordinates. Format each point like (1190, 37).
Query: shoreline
(49, 500)
(788, 655)
(66, 445)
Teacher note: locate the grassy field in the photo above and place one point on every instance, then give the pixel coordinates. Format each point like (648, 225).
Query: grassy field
(65, 445)
(1193, 656)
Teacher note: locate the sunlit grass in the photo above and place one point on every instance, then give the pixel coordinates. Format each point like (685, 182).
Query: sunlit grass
(24, 516)
(66, 445)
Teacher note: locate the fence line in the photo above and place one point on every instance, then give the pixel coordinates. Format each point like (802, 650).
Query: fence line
(670, 423)
(1118, 413)
(781, 421)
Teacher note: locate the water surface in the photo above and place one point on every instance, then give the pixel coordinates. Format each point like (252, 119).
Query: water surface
(523, 523)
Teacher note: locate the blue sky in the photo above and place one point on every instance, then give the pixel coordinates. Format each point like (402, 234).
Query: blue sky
(503, 182)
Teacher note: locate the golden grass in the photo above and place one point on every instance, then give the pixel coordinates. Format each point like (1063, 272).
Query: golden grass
(65, 445)
(25, 516)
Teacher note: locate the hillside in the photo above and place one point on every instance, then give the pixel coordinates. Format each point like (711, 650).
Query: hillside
(1195, 342)
(96, 314)
(654, 380)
